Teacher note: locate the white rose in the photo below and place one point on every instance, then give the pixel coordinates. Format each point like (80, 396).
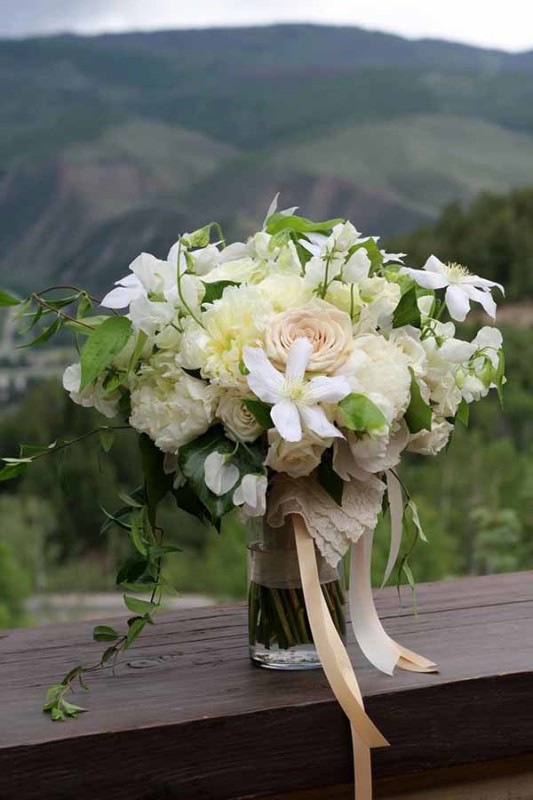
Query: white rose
(296, 459)
(239, 422)
(379, 369)
(93, 396)
(429, 443)
(327, 328)
(170, 406)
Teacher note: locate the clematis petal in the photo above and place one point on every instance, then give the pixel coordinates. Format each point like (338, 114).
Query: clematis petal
(428, 280)
(264, 379)
(482, 283)
(318, 423)
(485, 300)
(287, 420)
(297, 358)
(457, 301)
(327, 390)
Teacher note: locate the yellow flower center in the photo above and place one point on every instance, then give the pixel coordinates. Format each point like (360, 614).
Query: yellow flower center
(456, 272)
(294, 389)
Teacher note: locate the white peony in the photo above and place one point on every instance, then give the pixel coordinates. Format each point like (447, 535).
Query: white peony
(296, 459)
(327, 329)
(429, 443)
(238, 421)
(379, 369)
(93, 396)
(170, 406)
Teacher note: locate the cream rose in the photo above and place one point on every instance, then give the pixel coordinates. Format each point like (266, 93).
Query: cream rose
(328, 329)
(296, 459)
(239, 422)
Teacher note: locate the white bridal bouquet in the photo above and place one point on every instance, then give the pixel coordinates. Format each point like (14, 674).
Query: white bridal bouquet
(280, 376)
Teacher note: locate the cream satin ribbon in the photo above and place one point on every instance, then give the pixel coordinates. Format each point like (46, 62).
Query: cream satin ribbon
(336, 662)
(382, 651)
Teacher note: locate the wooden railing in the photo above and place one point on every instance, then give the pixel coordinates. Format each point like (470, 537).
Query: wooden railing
(187, 716)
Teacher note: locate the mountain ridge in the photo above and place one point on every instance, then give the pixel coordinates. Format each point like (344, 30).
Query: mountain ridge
(128, 131)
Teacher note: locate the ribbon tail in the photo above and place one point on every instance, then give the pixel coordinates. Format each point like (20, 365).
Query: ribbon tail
(378, 647)
(394, 491)
(336, 662)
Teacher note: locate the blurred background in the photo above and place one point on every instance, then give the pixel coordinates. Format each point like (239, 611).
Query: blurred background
(124, 123)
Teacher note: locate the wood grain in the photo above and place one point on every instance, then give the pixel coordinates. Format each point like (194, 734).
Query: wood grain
(187, 716)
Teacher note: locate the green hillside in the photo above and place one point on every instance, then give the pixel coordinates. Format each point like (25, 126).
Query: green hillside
(421, 162)
(110, 144)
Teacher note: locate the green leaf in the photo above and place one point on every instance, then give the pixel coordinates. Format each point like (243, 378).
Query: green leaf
(407, 311)
(104, 633)
(280, 222)
(107, 437)
(157, 483)
(187, 500)
(261, 412)
(130, 501)
(71, 710)
(361, 414)
(102, 346)
(8, 299)
(116, 519)
(160, 550)
(500, 375)
(191, 458)
(411, 505)
(418, 414)
(131, 570)
(137, 351)
(11, 471)
(138, 606)
(463, 413)
(87, 325)
(214, 291)
(328, 478)
(45, 335)
(135, 626)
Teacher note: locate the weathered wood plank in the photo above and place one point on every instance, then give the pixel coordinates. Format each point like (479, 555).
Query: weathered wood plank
(511, 779)
(187, 716)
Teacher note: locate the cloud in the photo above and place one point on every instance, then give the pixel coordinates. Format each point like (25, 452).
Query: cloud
(472, 21)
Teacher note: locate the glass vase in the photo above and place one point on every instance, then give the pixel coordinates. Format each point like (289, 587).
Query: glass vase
(279, 632)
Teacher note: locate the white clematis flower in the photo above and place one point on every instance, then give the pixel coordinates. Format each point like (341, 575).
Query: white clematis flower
(251, 495)
(461, 286)
(294, 399)
(220, 477)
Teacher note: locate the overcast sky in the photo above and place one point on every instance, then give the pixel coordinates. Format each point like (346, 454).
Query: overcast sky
(507, 26)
